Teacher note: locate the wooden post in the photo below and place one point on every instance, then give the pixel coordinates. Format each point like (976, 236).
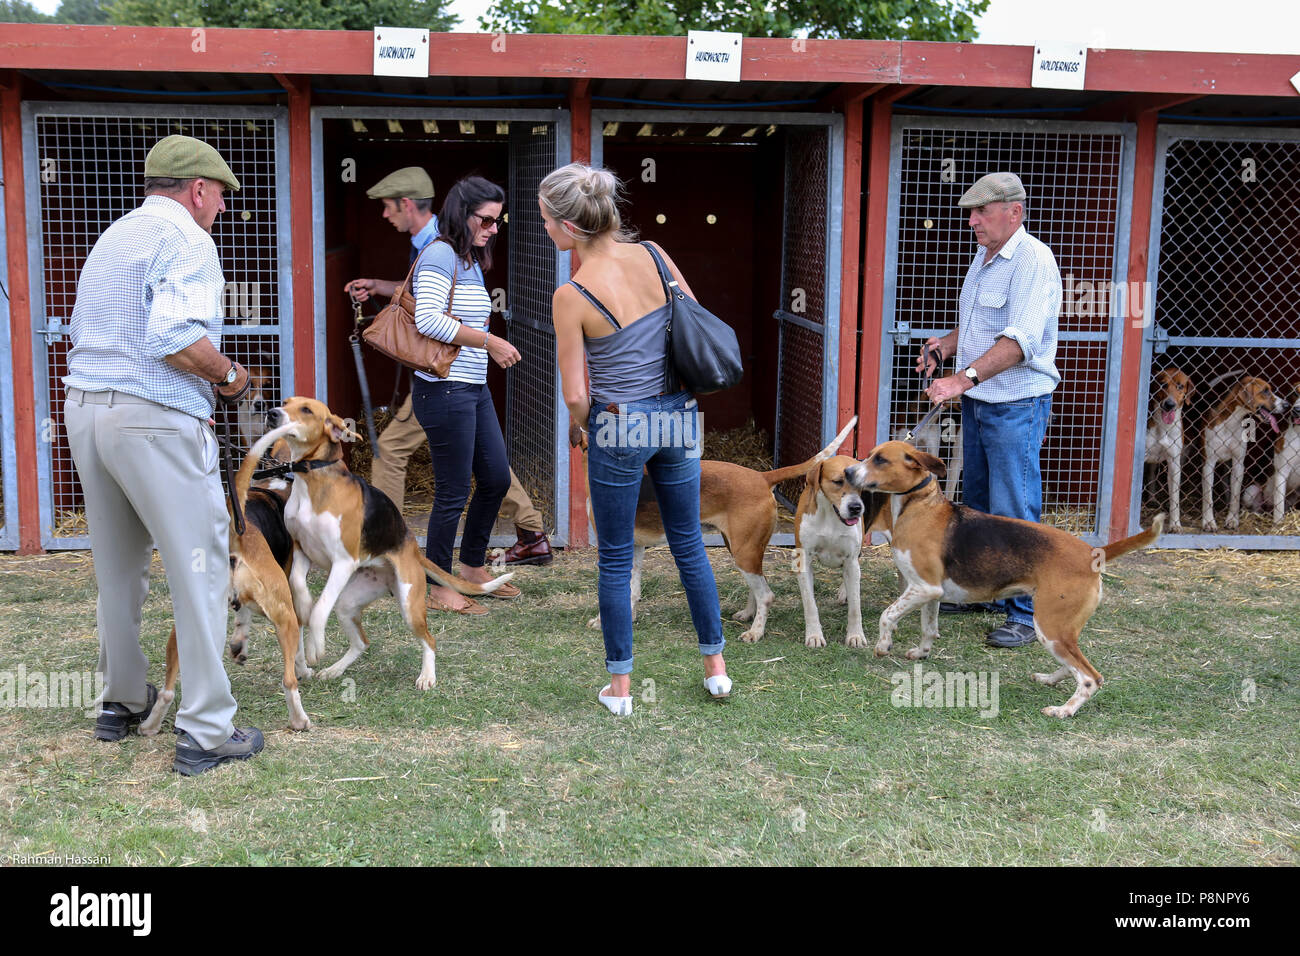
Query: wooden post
(300, 231)
(580, 152)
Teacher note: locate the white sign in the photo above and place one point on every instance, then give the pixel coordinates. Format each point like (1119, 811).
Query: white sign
(1059, 66)
(400, 51)
(711, 55)
(1295, 81)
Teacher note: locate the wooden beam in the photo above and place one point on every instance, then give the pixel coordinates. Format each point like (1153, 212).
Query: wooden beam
(303, 342)
(1130, 417)
(850, 98)
(873, 264)
(1129, 108)
(20, 315)
(580, 136)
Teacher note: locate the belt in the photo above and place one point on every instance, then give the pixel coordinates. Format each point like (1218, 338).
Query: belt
(109, 398)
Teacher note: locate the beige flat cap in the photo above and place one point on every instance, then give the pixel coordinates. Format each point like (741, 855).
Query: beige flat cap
(410, 182)
(184, 157)
(995, 187)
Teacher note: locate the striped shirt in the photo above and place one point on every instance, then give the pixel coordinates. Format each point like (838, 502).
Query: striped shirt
(471, 304)
(151, 286)
(1016, 296)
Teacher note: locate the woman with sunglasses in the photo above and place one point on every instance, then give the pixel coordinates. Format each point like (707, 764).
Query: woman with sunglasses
(615, 310)
(456, 412)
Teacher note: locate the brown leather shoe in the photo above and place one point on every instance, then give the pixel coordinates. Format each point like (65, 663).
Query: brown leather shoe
(533, 547)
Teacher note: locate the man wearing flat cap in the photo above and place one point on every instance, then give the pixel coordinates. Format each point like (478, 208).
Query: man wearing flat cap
(407, 195)
(1005, 345)
(144, 374)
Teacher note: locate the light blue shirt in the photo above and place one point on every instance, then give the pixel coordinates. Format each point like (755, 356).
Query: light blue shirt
(426, 235)
(1017, 296)
(151, 286)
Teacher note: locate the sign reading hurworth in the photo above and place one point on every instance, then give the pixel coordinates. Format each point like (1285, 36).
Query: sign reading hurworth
(400, 51)
(711, 55)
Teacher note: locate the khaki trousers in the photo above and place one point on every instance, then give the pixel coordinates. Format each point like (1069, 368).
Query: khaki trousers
(402, 439)
(149, 474)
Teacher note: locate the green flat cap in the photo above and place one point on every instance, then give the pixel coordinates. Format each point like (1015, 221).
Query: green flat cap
(184, 157)
(410, 182)
(995, 187)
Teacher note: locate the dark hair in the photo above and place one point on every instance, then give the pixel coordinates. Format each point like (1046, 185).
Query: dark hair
(165, 185)
(423, 205)
(462, 199)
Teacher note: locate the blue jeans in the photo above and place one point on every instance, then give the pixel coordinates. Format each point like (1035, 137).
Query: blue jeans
(1002, 473)
(464, 439)
(620, 446)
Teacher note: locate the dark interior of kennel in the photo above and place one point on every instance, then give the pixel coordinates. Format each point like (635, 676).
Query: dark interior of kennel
(1226, 294)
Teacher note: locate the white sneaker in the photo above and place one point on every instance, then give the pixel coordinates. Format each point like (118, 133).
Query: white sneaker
(618, 706)
(718, 686)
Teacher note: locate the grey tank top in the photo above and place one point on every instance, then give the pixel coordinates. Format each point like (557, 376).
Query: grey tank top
(628, 364)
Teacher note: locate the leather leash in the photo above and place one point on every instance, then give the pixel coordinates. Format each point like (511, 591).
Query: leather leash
(227, 404)
(355, 340)
(935, 354)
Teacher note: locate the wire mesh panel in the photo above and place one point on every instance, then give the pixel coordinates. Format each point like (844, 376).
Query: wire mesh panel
(1077, 178)
(85, 164)
(531, 392)
(8, 434)
(1223, 339)
(801, 319)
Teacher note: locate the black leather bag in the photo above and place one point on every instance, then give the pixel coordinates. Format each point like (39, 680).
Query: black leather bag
(703, 352)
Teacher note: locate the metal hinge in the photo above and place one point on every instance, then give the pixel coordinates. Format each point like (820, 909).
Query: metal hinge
(902, 333)
(53, 331)
(1159, 340)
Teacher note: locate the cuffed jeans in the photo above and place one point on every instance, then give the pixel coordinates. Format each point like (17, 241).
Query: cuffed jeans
(464, 439)
(1002, 472)
(668, 447)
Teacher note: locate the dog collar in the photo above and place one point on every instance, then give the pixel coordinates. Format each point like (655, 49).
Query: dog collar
(920, 485)
(301, 467)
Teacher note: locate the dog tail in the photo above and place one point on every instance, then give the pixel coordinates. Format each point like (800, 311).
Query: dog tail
(438, 575)
(1141, 540)
(244, 477)
(778, 475)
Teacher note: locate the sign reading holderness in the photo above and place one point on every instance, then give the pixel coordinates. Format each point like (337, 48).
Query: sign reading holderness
(1059, 66)
(711, 55)
(400, 51)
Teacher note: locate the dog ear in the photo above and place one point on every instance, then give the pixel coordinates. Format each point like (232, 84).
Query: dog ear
(928, 462)
(1189, 388)
(813, 479)
(341, 430)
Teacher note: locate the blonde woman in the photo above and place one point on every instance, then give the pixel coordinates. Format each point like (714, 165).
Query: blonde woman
(610, 322)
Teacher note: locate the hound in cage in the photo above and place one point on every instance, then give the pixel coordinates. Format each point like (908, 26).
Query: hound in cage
(1229, 430)
(1282, 488)
(1165, 434)
(250, 413)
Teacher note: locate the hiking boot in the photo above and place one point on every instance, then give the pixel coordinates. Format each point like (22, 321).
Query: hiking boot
(115, 721)
(191, 759)
(1011, 634)
(533, 547)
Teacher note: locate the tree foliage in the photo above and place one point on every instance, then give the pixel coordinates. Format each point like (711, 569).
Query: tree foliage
(269, 14)
(823, 19)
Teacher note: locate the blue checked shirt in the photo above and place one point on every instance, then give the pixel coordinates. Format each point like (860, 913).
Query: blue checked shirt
(1017, 295)
(151, 286)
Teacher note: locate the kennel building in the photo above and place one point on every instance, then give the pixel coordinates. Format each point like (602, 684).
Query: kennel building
(812, 205)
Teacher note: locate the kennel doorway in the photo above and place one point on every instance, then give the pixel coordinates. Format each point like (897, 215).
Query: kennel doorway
(1079, 179)
(749, 205)
(84, 165)
(1224, 264)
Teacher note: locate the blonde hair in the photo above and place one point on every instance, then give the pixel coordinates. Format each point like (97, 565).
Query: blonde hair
(588, 198)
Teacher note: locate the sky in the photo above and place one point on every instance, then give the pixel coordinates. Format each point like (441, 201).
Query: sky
(1249, 26)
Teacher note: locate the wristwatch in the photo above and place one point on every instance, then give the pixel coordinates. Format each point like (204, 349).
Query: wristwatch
(229, 378)
(971, 374)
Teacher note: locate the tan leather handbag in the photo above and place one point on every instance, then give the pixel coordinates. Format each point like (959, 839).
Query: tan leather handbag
(393, 331)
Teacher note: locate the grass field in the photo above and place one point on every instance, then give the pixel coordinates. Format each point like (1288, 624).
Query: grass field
(1187, 756)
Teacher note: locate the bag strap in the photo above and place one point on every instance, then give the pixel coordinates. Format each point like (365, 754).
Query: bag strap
(670, 284)
(600, 306)
(671, 382)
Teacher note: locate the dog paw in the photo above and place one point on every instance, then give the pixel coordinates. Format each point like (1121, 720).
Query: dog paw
(855, 640)
(743, 616)
(916, 654)
(329, 673)
(303, 724)
(239, 651)
(814, 640)
(883, 648)
(1209, 526)
(1230, 523)
(751, 636)
(426, 682)
(594, 623)
(1043, 679)
(842, 596)
(152, 724)
(1059, 712)
(1175, 527)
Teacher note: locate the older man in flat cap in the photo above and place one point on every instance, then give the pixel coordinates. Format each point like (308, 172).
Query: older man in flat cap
(1005, 345)
(407, 195)
(144, 372)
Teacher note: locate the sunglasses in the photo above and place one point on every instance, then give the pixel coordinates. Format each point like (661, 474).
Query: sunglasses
(490, 221)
